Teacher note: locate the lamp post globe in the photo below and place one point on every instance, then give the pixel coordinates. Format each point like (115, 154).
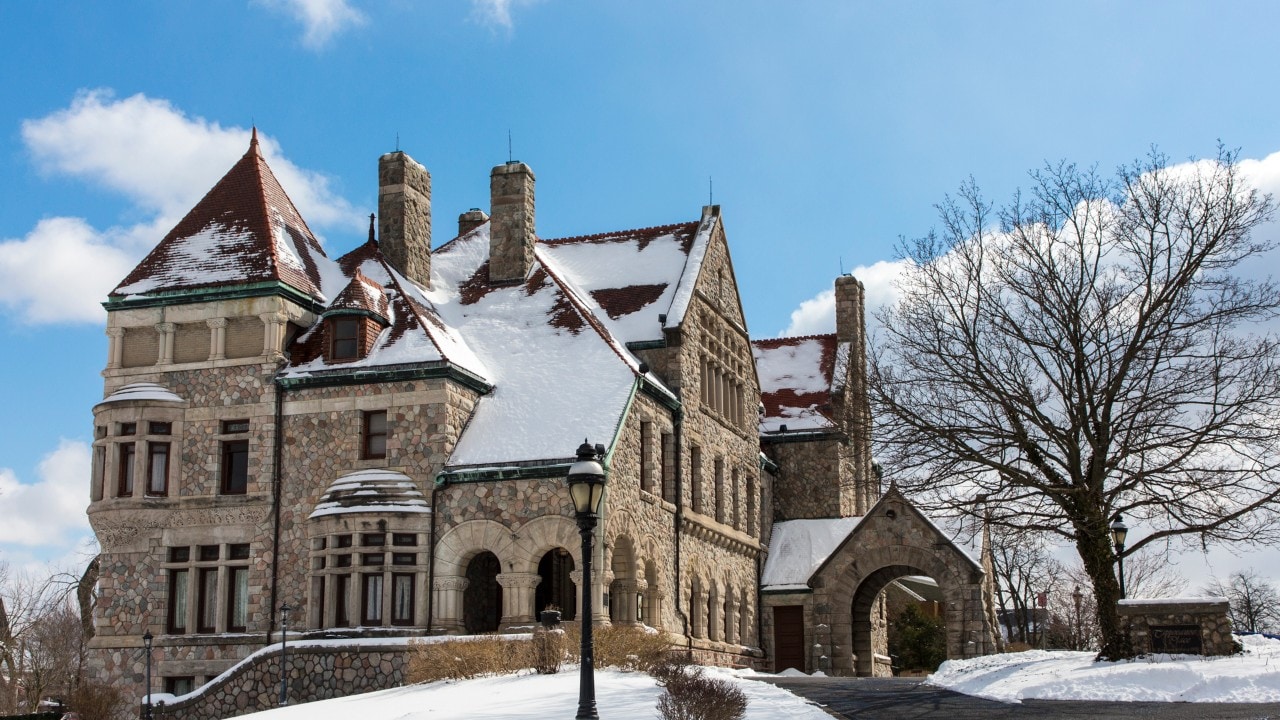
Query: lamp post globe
(147, 639)
(1119, 531)
(586, 481)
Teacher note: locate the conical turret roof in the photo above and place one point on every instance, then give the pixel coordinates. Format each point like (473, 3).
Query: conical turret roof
(245, 230)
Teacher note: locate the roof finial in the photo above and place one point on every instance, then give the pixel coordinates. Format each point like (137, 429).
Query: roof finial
(711, 195)
(253, 141)
(371, 229)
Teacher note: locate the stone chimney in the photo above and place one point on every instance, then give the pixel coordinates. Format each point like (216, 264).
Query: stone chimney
(404, 215)
(511, 230)
(850, 309)
(470, 220)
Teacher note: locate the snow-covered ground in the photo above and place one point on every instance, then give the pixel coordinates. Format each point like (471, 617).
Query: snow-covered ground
(619, 696)
(1252, 677)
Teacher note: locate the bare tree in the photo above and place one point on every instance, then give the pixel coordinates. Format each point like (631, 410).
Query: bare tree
(1255, 603)
(1024, 569)
(1091, 356)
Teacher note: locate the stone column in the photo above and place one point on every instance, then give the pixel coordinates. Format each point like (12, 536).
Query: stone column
(731, 622)
(600, 583)
(625, 601)
(273, 342)
(165, 331)
(218, 343)
(115, 347)
(517, 597)
(715, 617)
(698, 613)
(447, 599)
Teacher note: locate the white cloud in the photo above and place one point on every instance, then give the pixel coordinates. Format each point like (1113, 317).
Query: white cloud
(496, 13)
(50, 511)
(817, 315)
(162, 162)
(321, 19)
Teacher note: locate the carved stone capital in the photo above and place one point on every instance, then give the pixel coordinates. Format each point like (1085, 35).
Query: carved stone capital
(450, 583)
(115, 332)
(519, 580)
(215, 323)
(165, 327)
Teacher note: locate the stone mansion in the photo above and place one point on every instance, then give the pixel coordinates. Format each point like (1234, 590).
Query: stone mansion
(380, 440)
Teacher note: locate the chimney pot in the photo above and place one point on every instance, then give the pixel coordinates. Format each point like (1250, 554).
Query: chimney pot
(470, 220)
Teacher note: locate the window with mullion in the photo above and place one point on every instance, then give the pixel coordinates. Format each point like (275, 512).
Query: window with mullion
(207, 601)
(237, 599)
(179, 581)
(235, 467)
(346, 344)
(402, 599)
(375, 435)
(371, 613)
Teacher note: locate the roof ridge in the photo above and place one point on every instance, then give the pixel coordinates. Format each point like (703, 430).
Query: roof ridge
(618, 233)
(789, 338)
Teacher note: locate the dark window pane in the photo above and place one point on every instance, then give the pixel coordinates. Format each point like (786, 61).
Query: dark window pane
(404, 559)
(372, 598)
(207, 603)
(238, 552)
(160, 428)
(232, 427)
(371, 559)
(179, 554)
(373, 539)
(342, 541)
(209, 552)
(238, 599)
(342, 600)
(402, 599)
(345, 344)
(235, 467)
(128, 429)
(375, 434)
(179, 581)
(404, 539)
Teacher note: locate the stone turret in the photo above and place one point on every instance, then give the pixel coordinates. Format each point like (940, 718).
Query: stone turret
(404, 215)
(852, 407)
(511, 228)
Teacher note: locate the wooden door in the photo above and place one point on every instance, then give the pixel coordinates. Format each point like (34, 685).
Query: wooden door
(788, 638)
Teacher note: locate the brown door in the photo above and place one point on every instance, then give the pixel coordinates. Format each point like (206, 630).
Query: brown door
(788, 637)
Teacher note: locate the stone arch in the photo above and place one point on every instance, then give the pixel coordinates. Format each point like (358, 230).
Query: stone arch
(893, 540)
(542, 534)
(466, 540)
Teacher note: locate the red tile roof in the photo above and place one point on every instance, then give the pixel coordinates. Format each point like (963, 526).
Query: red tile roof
(795, 385)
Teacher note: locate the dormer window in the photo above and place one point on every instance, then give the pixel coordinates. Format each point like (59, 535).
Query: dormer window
(346, 334)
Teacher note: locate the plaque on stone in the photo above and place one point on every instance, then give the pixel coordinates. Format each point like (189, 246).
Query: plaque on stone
(1176, 639)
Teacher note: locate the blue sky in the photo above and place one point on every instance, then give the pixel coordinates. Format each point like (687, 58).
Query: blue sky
(827, 129)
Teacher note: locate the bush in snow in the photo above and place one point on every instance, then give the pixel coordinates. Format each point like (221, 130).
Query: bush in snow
(466, 658)
(691, 695)
(623, 647)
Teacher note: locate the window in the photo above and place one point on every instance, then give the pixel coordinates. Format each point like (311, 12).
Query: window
(372, 611)
(235, 467)
(402, 599)
(179, 685)
(207, 601)
(404, 539)
(124, 486)
(373, 539)
(160, 428)
(646, 456)
(235, 427)
(668, 467)
(179, 581)
(695, 477)
(157, 468)
(719, 490)
(128, 429)
(99, 472)
(237, 599)
(341, 595)
(209, 552)
(238, 552)
(345, 342)
(375, 435)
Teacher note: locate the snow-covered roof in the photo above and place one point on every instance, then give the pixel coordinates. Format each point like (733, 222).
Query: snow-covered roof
(629, 279)
(244, 231)
(557, 375)
(799, 547)
(797, 376)
(362, 295)
(142, 391)
(377, 491)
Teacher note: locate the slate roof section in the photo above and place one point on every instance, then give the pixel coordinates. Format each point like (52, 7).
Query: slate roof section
(797, 376)
(362, 295)
(245, 230)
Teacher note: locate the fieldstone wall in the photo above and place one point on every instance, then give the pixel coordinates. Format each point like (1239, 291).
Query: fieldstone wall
(1184, 626)
(315, 673)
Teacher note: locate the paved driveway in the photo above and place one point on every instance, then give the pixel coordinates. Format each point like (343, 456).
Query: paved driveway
(911, 699)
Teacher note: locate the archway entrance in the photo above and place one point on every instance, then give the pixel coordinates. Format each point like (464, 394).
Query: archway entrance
(482, 600)
(894, 540)
(556, 587)
(891, 598)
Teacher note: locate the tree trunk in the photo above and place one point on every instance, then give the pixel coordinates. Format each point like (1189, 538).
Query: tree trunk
(1099, 558)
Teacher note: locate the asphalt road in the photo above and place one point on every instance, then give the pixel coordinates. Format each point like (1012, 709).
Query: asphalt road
(911, 699)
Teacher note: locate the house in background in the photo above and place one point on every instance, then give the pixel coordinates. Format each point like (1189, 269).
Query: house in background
(380, 440)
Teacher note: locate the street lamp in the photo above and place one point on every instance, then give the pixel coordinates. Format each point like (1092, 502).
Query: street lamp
(1079, 598)
(1118, 533)
(147, 638)
(586, 488)
(284, 654)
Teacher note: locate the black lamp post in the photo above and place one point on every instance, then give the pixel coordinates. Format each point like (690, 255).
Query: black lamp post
(284, 654)
(1079, 598)
(147, 638)
(1118, 533)
(586, 487)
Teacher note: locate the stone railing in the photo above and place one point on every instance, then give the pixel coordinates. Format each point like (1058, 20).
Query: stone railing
(1192, 626)
(316, 671)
